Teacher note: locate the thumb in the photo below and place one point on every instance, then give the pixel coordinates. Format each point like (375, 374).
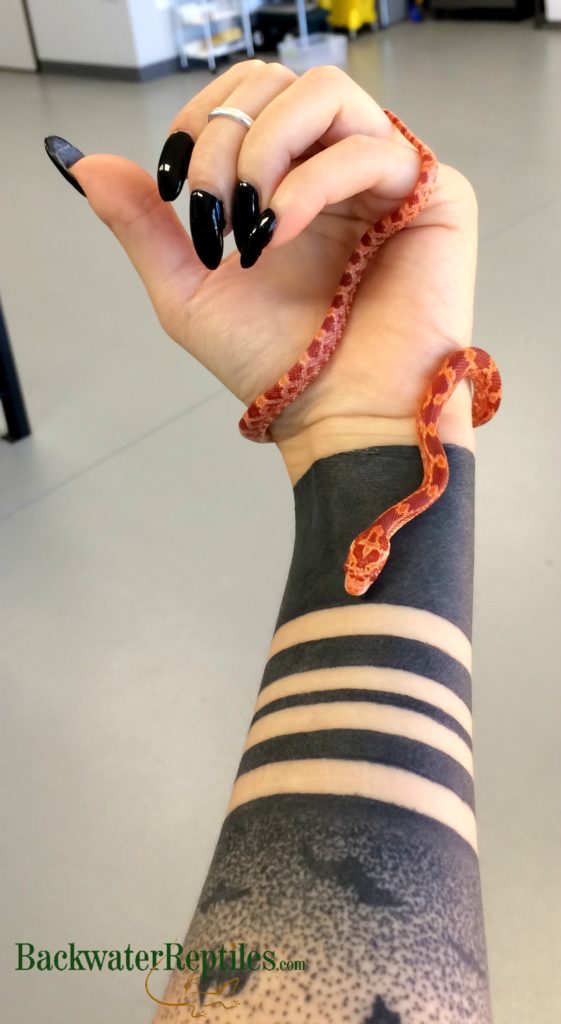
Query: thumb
(126, 199)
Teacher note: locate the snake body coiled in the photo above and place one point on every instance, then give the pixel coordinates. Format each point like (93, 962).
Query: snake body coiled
(369, 551)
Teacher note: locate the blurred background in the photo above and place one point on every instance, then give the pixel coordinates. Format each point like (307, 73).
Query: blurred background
(131, 643)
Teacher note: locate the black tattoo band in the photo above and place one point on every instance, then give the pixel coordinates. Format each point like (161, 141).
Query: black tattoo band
(373, 650)
(364, 745)
(380, 894)
(341, 495)
(396, 700)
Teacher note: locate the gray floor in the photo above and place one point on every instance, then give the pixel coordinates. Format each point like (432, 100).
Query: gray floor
(132, 645)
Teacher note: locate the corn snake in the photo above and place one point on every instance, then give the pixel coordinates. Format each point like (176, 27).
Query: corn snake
(369, 551)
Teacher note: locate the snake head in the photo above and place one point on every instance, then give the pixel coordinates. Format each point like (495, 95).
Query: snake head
(367, 557)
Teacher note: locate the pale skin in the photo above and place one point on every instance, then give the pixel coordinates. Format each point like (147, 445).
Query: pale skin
(328, 161)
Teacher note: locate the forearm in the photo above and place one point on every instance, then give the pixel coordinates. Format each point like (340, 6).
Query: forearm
(350, 838)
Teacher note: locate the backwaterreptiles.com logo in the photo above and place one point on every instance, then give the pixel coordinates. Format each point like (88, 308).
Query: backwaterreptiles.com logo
(203, 967)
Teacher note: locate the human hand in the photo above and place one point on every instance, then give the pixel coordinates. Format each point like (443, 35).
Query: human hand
(328, 161)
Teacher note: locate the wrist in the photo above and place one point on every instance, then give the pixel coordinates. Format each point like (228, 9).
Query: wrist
(430, 563)
(335, 434)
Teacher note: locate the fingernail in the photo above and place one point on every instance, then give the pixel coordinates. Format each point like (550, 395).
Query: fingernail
(64, 155)
(245, 212)
(174, 164)
(258, 238)
(207, 225)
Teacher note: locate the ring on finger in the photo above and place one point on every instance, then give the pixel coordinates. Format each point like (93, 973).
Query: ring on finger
(234, 113)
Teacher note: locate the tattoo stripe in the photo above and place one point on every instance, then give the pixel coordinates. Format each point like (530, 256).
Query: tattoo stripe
(370, 781)
(389, 680)
(375, 651)
(378, 697)
(431, 564)
(366, 717)
(363, 745)
(373, 620)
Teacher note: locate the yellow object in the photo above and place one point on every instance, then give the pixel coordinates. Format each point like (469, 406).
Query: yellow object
(350, 14)
(227, 36)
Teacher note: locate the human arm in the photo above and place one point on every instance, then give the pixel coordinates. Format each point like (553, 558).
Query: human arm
(412, 308)
(350, 837)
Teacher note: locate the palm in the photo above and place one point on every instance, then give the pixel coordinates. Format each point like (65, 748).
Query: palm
(413, 305)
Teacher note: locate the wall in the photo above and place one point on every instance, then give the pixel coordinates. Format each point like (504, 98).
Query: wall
(15, 46)
(152, 29)
(553, 10)
(84, 31)
(115, 33)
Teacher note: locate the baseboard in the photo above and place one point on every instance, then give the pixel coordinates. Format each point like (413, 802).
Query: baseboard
(112, 71)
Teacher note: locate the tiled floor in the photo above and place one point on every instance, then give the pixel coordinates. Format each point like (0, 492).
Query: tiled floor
(132, 645)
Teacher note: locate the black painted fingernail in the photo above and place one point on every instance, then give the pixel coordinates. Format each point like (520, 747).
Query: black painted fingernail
(64, 155)
(207, 226)
(245, 212)
(258, 238)
(174, 164)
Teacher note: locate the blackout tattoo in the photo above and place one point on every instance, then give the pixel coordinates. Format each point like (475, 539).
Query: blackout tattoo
(431, 558)
(382, 904)
(381, 901)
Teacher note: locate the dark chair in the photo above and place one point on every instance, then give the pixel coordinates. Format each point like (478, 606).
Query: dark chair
(10, 390)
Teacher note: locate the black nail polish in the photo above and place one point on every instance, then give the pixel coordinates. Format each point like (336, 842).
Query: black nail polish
(258, 238)
(174, 164)
(64, 155)
(207, 226)
(245, 212)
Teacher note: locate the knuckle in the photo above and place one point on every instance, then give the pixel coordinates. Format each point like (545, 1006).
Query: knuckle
(459, 186)
(275, 65)
(130, 211)
(360, 142)
(325, 74)
(468, 192)
(458, 198)
(280, 71)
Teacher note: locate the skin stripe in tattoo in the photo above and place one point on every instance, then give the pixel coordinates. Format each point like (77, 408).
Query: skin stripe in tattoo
(397, 700)
(363, 745)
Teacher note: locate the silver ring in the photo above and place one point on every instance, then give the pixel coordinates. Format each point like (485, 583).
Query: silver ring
(234, 114)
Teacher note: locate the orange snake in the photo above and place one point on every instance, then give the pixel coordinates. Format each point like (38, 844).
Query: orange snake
(369, 551)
